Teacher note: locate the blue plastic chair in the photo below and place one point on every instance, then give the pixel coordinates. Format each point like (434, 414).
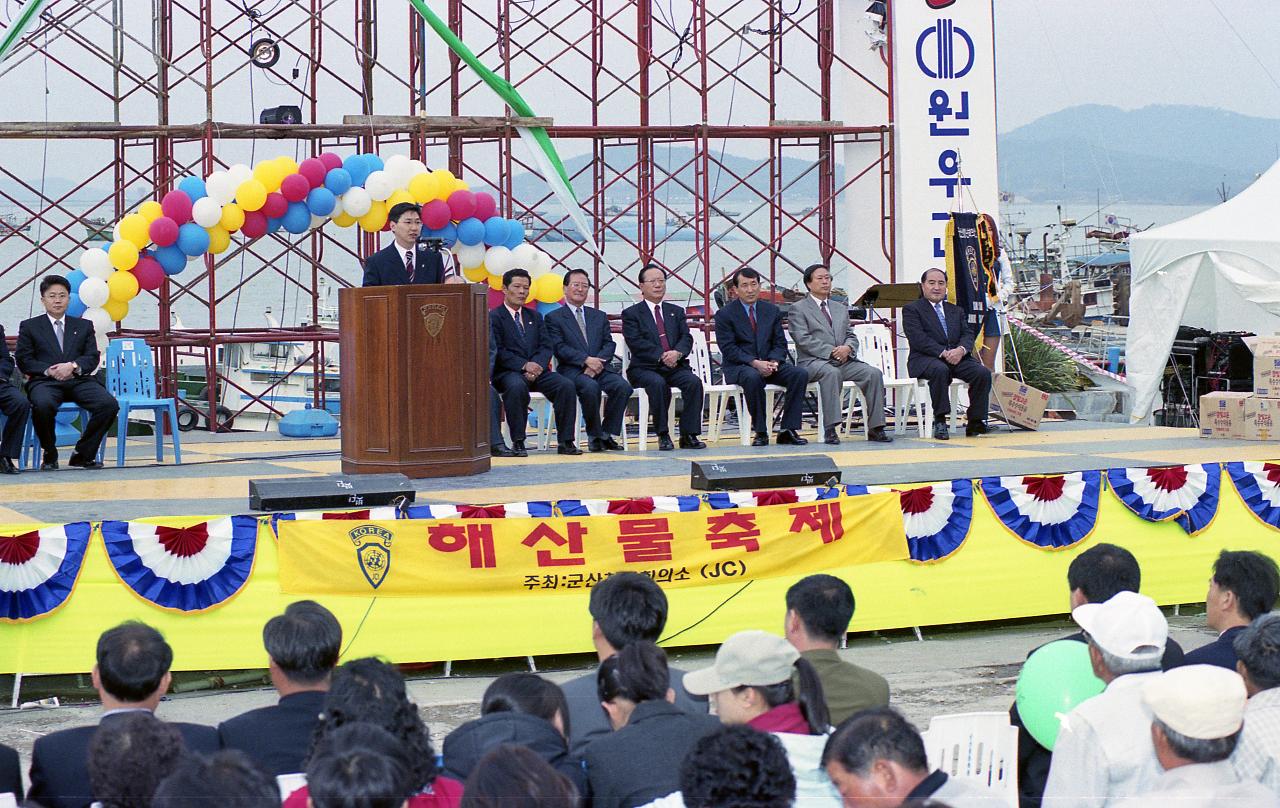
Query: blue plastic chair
(65, 433)
(131, 378)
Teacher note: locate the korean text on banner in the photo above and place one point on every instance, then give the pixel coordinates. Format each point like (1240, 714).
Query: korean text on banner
(410, 557)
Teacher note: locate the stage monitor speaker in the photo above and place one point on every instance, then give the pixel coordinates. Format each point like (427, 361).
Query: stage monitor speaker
(333, 491)
(289, 113)
(775, 472)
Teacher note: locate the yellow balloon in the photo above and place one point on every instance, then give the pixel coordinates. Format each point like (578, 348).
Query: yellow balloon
(269, 173)
(398, 197)
(251, 195)
(478, 274)
(287, 163)
(134, 228)
(445, 182)
(232, 217)
(123, 254)
(461, 185)
(219, 239)
(344, 219)
(150, 211)
(423, 187)
(373, 221)
(123, 286)
(548, 289)
(117, 309)
(495, 282)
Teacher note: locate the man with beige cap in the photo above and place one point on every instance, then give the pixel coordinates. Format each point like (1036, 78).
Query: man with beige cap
(1103, 752)
(1197, 713)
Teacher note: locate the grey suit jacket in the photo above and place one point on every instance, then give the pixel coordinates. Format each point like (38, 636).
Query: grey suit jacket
(814, 338)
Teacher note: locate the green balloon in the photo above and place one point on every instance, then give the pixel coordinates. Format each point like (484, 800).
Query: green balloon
(1054, 680)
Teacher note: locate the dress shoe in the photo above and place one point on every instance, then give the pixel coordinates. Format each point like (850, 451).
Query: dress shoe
(664, 442)
(940, 431)
(611, 445)
(595, 445)
(878, 435)
(501, 450)
(84, 462)
(760, 439)
(975, 429)
(50, 462)
(791, 437)
(518, 450)
(691, 442)
(831, 437)
(7, 466)
(567, 447)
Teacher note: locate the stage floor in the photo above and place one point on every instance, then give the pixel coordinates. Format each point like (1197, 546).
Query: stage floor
(214, 478)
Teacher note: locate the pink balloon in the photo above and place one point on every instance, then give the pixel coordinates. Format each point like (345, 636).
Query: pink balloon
(149, 273)
(163, 231)
(295, 187)
(255, 224)
(330, 160)
(435, 214)
(275, 206)
(486, 207)
(462, 205)
(495, 298)
(313, 169)
(177, 206)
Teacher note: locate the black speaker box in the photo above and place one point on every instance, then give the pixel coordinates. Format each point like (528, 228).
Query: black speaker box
(286, 114)
(775, 472)
(333, 491)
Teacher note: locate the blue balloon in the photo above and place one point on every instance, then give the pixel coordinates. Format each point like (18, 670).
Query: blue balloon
(338, 181)
(515, 233)
(171, 259)
(356, 168)
(374, 162)
(321, 201)
(546, 308)
(274, 225)
(449, 234)
(76, 306)
(297, 219)
(495, 231)
(193, 239)
(76, 277)
(471, 231)
(193, 187)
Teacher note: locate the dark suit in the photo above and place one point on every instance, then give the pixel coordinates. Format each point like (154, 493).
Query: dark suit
(641, 761)
(588, 721)
(387, 266)
(646, 371)
(513, 351)
(37, 351)
(60, 761)
(928, 341)
(277, 737)
(10, 773)
(740, 344)
(1220, 652)
(13, 404)
(572, 349)
(495, 402)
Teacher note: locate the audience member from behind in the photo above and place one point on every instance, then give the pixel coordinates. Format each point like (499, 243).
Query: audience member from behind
(10, 772)
(128, 759)
(751, 683)
(640, 761)
(227, 779)
(877, 758)
(1197, 712)
(131, 675)
(625, 607)
(515, 777)
(302, 649)
(360, 765)
(522, 709)
(819, 609)
(737, 767)
(1257, 756)
(1103, 751)
(1244, 585)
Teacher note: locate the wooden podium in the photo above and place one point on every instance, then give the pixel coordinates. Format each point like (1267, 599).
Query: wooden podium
(415, 379)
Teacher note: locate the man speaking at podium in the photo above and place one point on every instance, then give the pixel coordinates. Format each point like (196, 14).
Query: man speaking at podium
(406, 260)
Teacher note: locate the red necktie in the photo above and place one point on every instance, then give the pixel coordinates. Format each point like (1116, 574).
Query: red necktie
(408, 264)
(827, 312)
(662, 328)
(751, 315)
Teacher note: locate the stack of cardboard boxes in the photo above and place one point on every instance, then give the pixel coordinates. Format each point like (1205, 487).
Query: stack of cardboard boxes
(1248, 416)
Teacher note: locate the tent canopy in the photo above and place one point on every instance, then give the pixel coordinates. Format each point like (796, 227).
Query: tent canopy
(1218, 270)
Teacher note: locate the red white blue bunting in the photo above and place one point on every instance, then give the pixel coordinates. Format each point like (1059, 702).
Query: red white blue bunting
(187, 569)
(537, 509)
(1259, 487)
(858, 490)
(721, 500)
(639, 505)
(936, 518)
(38, 569)
(365, 514)
(1051, 511)
(1186, 494)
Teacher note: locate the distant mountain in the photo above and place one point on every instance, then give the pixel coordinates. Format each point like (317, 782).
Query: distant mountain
(1161, 154)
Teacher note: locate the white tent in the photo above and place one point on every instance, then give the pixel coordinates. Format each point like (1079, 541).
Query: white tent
(1218, 270)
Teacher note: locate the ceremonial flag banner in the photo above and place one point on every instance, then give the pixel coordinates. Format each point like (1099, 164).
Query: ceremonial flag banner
(504, 556)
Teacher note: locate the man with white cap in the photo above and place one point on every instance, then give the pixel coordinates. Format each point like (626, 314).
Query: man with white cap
(1197, 713)
(1103, 752)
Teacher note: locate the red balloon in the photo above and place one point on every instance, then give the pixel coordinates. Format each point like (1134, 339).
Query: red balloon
(330, 160)
(486, 207)
(163, 231)
(177, 206)
(295, 187)
(313, 169)
(496, 298)
(255, 224)
(275, 206)
(435, 214)
(462, 205)
(149, 273)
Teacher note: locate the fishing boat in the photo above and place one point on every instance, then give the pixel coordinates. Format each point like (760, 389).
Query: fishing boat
(97, 229)
(11, 223)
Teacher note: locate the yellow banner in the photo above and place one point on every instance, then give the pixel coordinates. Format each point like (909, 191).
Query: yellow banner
(410, 557)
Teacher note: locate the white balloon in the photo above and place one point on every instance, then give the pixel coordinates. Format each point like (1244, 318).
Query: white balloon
(102, 322)
(94, 292)
(497, 260)
(397, 168)
(206, 211)
(542, 263)
(96, 263)
(357, 202)
(470, 256)
(115, 232)
(317, 221)
(380, 186)
(417, 167)
(240, 173)
(221, 186)
(337, 207)
(524, 256)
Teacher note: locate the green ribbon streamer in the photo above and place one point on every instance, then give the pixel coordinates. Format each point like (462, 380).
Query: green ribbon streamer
(19, 27)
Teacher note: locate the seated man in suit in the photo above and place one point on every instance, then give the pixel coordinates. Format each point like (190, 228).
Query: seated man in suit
(941, 337)
(302, 649)
(584, 348)
(15, 408)
(59, 355)
(658, 337)
(749, 332)
(405, 259)
(131, 674)
(827, 348)
(523, 364)
(497, 446)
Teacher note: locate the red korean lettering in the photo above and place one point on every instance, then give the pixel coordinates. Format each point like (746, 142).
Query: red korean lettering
(645, 540)
(730, 529)
(477, 538)
(573, 542)
(824, 518)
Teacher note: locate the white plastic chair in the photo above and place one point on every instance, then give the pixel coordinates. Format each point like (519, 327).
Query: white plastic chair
(876, 349)
(539, 404)
(981, 748)
(642, 400)
(718, 395)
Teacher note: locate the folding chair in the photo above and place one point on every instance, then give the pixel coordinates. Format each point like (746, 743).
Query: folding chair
(978, 747)
(876, 349)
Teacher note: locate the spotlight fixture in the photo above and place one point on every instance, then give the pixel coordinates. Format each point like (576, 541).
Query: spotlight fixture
(264, 53)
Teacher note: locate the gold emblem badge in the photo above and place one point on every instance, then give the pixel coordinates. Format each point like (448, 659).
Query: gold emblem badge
(433, 318)
(373, 552)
